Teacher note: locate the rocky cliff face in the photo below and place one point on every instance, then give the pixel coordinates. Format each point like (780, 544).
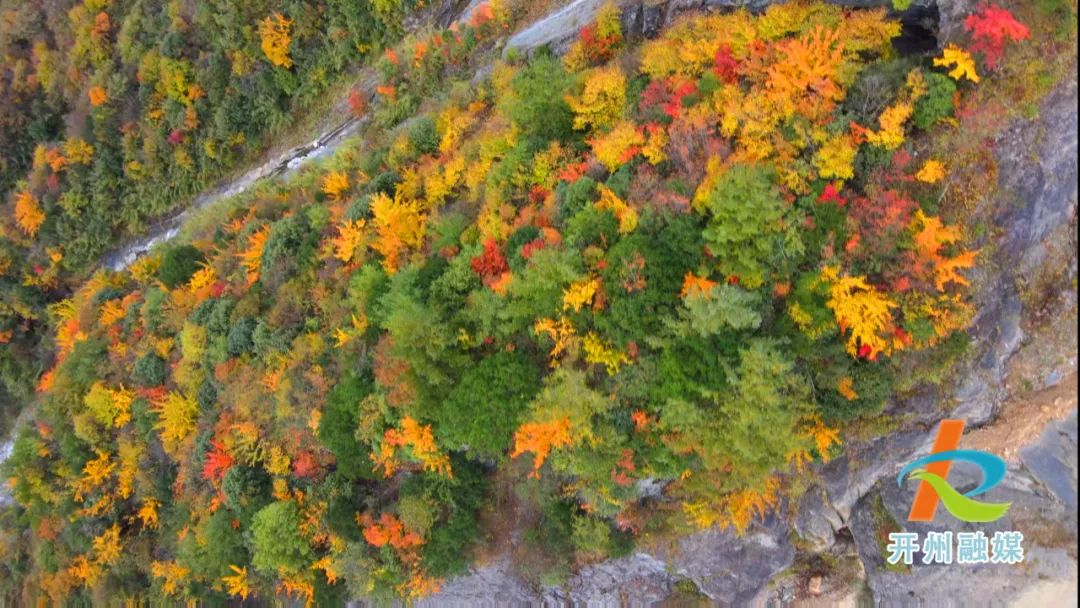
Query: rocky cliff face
(830, 543)
(645, 18)
(1037, 217)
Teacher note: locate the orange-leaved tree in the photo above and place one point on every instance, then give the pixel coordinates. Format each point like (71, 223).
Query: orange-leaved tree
(930, 237)
(540, 438)
(251, 257)
(419, 440)
(28, 213)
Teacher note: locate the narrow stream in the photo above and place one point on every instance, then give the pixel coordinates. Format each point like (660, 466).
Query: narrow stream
(286, 164)
(5, 451)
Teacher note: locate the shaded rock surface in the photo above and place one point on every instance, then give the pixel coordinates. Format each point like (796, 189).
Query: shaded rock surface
(725, 568)
(969, 584)
(636, 580)
(733, 569)
(1052, 460)
(491, 584)
(1047, 520)
(557, 28)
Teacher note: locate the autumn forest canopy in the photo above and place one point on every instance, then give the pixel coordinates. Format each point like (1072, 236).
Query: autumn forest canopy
(687, 262)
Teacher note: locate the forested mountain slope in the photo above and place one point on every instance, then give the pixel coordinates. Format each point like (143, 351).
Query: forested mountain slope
(624, 293)
(115, 113)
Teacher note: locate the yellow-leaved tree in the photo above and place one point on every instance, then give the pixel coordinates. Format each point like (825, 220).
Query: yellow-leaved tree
(892, 119)
(835, 158)
(419, 440)
(599, 351)
(618, 145)
(399, 226)
(177, 415)
(251, 257)
(237, 584)
(335, 183)
(964, 65)
(735, 510)
(560, 332)
(110, 407)
(107, 546)
(625, 214)
(601, 104)
(863, 310)
(275, 32)
(579, 294)
(78, 151)
(349, 240)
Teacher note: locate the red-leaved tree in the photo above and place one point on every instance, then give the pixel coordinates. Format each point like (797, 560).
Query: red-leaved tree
(991, 28)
